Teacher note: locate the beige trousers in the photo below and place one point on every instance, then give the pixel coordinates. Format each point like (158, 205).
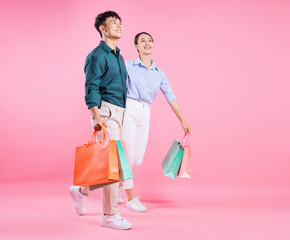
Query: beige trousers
(113, 116)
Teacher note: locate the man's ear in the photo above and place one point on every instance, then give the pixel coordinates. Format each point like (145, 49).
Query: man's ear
(102, 28)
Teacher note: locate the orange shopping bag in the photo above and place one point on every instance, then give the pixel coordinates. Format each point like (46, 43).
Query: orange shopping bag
(113, 161)
(94, 164)
(185, 170)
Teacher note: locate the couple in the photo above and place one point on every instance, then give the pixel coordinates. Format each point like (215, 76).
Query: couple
(111, 87)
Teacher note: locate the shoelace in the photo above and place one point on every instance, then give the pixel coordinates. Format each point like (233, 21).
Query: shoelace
(118, 216)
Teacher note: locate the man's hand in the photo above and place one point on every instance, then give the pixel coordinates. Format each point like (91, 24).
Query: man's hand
(97, 123)
(186, 128)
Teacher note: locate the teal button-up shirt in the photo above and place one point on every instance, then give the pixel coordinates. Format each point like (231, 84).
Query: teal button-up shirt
(105, 77)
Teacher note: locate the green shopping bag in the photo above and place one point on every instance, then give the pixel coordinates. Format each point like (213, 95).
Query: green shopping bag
(172, 161)
(126, 168)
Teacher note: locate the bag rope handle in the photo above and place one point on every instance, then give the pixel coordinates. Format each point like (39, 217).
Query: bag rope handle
(184, 141)
(103, 136)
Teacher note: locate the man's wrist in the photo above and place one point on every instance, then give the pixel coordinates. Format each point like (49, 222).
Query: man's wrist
(96, 118)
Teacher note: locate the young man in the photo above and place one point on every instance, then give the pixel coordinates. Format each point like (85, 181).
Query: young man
(106, 98)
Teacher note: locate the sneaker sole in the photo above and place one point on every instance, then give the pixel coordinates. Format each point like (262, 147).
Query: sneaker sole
(116, 228)
(136, 210)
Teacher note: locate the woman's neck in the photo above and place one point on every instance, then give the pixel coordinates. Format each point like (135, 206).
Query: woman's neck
(146, 60)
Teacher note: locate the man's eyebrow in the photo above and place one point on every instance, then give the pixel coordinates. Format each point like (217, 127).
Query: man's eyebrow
(115, 19)
(145, 38)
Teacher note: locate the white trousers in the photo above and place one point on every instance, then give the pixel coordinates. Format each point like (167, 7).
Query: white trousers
(135, 133)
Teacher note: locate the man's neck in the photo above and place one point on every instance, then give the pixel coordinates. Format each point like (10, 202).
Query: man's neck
(146, 60)
(111, 42)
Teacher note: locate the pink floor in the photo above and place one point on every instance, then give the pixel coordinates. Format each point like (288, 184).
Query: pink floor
(31, 210)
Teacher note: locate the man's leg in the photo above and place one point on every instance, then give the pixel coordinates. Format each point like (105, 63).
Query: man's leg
(110, 192)
(111, 218)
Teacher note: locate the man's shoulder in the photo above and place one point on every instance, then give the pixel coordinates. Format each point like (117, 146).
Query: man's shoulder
(96, 55)
(96, 52)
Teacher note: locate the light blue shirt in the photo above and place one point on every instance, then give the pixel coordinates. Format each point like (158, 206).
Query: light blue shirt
(143, 83)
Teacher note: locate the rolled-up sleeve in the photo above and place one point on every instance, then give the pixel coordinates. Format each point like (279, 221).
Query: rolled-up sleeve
(93, 79)
(166, 89)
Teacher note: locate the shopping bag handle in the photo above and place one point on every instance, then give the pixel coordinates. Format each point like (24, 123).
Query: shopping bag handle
(184, 141)
(92, 137)
(103, 135)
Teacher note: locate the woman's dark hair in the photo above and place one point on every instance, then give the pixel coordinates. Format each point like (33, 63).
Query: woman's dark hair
(101, 19)
(138, 35)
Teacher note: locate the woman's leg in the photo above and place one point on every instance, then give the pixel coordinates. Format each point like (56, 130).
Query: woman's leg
(130, 136)
(140, 143)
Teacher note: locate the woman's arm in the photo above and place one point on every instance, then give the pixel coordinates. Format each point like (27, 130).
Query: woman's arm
(177, 110)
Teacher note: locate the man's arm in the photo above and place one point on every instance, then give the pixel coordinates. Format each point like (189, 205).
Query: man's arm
(93, 73)
(93, 98)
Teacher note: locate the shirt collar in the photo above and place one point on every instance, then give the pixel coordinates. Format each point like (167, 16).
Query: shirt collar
(104, 46)
(152, 67)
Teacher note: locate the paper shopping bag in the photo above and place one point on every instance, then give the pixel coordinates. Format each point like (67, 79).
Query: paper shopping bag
(172, 160)
(92, 163)
(185, 170)
(115, 171)
(126, 168)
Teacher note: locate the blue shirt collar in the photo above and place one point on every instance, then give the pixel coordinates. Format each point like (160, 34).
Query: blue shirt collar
(152, 67)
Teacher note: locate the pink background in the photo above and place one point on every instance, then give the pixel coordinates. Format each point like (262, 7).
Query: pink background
(228, 63)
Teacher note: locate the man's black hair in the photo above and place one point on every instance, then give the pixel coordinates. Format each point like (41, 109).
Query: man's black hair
(101, 19)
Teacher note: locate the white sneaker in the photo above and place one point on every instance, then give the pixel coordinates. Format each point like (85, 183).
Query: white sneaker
(120, 195)
(79, 199)
(136, 205)
(116, 222)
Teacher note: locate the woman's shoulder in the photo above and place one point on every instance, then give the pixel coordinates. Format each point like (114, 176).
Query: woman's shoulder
(158, 69)
(129, 63)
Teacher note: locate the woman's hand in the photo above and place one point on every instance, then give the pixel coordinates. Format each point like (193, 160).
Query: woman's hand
(186, 128)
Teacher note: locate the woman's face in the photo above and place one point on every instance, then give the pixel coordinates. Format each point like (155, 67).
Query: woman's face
(145, 44)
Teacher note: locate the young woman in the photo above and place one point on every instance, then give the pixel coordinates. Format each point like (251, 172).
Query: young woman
(143, 83)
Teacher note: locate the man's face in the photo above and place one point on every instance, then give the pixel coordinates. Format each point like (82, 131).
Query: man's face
(112, 28)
